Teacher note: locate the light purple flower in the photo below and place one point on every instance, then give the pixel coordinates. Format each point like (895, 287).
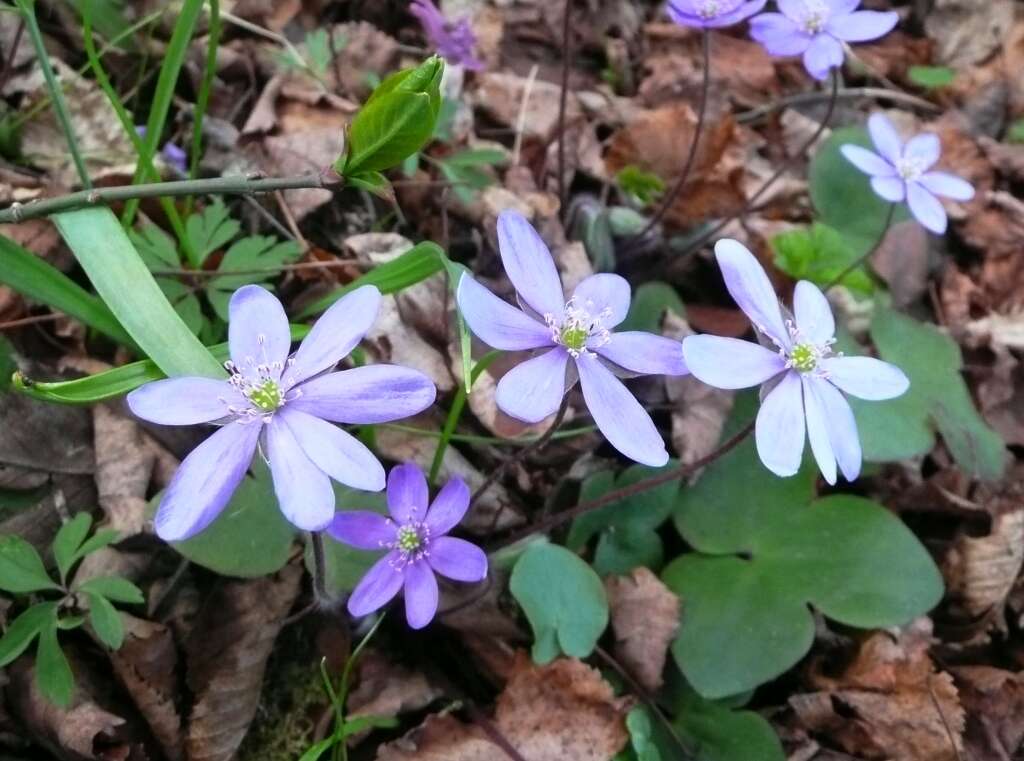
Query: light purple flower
(817, 29)
(902, 172)
(173, 155)
(281, 403)
(802, 376)
(453, 40)
(416, 543)
(712, 14)
(577, 339)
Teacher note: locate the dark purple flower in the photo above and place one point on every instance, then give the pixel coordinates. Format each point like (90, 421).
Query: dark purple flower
(803, 379)
(712, 14)
(416, 543)
(282, 403)
(453, 40)
(817, 29)
(904, 172)
(577, 339)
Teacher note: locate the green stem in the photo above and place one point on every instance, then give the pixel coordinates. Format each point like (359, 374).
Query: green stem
(203, 99)
(346, 678)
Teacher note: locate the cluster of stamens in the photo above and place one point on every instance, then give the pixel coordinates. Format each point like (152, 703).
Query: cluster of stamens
(815, 17)
(709, 9)
(258, 383)
(579, 330)
(805, 356)
(910, 168)
(412, 543)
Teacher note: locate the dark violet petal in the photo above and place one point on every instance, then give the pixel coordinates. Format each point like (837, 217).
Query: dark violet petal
(751, 289)
(362, 529)
(448, 507)
(334, 451)
(842, 429)
(205, 481)
(817, 431)
(258, 330)
(892, 189)
(730, 363)
(885, 137)
(866, 377)
(868, 162)
(601, 292)
(532, 390)
(408, 495)
(184, 401)
(335, 334)
(862, 26)
(813, 314)
(377, 588)
(824, 54)
(366, 395)
(420, 594)
(498, 323)
(457, 559)
(779, 432)
(926, 208)
(644, 353)
(529, 265)
(303, 491)
(948, 185)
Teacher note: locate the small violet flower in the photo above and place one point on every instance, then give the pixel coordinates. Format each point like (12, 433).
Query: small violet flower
(453, 40)
(803, 379)
(172, 154)
(577, 339)
(416, 543)
(817, 29)
(712, 14)
(281, 403)
(902, 172)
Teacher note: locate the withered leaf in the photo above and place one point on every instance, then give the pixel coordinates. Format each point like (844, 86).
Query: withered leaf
(645, 617)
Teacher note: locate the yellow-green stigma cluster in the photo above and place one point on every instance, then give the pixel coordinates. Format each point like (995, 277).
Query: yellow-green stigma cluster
(408, 540)
(266, 397)
(804, 357)
(574, 337)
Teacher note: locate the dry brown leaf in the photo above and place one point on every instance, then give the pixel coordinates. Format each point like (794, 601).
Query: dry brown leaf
(385, 688)
(980, 571)
(501, 96)
(303, 152)
(645, 618)
(994, 700)
(967, 32)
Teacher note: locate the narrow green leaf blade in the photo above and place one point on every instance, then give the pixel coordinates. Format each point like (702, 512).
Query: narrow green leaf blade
(105, 620)
(23, 630)
(114, 588)
(53, 673)
(21, 568)
(69, 538)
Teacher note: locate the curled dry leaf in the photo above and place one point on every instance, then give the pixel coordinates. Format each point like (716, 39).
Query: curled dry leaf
(645, 618)
(502, 95)
(967, 32)
(385, 688)
(994, 700)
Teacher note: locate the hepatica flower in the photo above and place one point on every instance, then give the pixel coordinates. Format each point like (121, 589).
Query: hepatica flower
(281, 404)
(817, 29)
(417, 545)
(803, 378)
(903, 172)
(575, 339)
(712, 14)
(453, 40)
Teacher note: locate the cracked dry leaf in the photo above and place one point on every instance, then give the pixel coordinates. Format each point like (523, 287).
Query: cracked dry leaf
(981, 571)
(994, 700)
(563, 711)
(645, 618)
(385, 688)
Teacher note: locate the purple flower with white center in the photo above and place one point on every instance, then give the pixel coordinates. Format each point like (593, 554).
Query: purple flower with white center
(281, 404)
(712, 14)
(817, 29)
(803, 378)
(577, 339)
(417, 545)
(903, 172)
(453, 40)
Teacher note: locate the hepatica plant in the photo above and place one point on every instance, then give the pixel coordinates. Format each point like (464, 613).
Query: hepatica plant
(453, 40)
(712, 14)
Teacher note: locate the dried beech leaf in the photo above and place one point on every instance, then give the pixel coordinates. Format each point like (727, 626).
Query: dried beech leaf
(645, 618)
(980, 571)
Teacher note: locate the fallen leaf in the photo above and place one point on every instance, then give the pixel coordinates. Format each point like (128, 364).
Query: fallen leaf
(994, 700)
(967, 32)
(503, 96)
(385, 688)
(645, 618)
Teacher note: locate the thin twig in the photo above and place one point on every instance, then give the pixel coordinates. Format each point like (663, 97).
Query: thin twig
(34, 319)
(845, 93)
(493, 733)
(867, 254)
(517, 144)
(942, 718)
(563, 104)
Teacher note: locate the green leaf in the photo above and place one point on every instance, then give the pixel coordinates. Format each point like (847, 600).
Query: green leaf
(105, 620)
(819, 254)
(938, 399)
(592, 225)
(21, 568)
(23, 630)
(931, 77)
(1015, 134)
(650, 302)
(69, 538)
(376, 183)
(721, 734)
(185, 303)
(258, 252)
(641, 737)
(317, 749)
(643, 186)
(465, 179)
(363, 723)
(563, 599)
(122, 280)
(158, 250)
(114, 588)
(211, 229)
(346, 565)
(53, 673)
(96, 541)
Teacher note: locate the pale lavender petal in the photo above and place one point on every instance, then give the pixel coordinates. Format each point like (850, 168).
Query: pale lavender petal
(408, 494)
(498, 323)
(948, 185)
(779, 431)
(862, 26)
(817, 431)
(448, 507)
(335, 334)
(842, 429)
(742, 12)
(813, 314)
(366, 395)
(529, 265)
(184, 401)
(794, 9)
(867, 161)
(751, 289)
(457, 559)
(926, 208)
(866, 377)
(729, 362)
(258, 332)
(601, 292)
(885, 137)
(362, 529)
(892, 189)
(532, 390)
(925, 149)
(336, 452)
(420, 594)
(619, 416)
(779, 35)
(377, 588)
(205, 481)
(645, 353)
(303, 491)
(840, 7)
(824, 54)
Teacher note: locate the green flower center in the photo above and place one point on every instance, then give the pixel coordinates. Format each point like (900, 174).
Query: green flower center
(804, 357)
(574, 337)
(408, 539)
(266, 397)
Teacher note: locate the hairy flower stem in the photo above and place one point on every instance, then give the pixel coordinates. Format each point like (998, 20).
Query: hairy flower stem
(563, 104)
(867, 254)
(319, 567)
(616, 495)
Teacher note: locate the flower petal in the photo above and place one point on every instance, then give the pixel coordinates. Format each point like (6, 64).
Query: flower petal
(336, 333)
(205, 481)
(751, 289)
(334, 451)
(813, 313)
(303, 491)
(377, 588)
(498, 323)
(528, 264)
(362, 529)
(866, 377)
(742, 12)
(619, 416)
(948, 185)
(779, 34)
(862, 26)
(926, 208)
(646, 353)
(840, 7)
(408, 493)
(867, 161)
(448, 507)
(601, 292)
(729, 362)
(366, 395)
(457, 559)
(420, 594)
(885, 137)
(258, 332)
(184, 401)
(824, 54)
(892, 189)
(817, 431)
(779, 431)
(925, 148)
(794, 9)
(532, 390)
(842, 429)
